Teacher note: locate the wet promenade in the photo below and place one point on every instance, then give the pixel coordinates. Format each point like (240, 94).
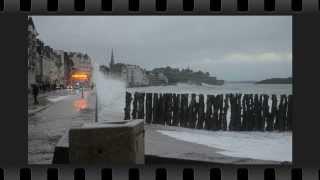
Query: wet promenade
(67, 110)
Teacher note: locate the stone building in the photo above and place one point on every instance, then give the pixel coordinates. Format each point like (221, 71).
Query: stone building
(32, 53)
(79, 68)
(44, 63)
(49, 66)
(80, 59)
(52, 66)
(62, 79)
(133, 75)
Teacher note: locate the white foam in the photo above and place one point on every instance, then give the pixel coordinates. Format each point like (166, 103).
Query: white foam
(111, 96)
(272, 146)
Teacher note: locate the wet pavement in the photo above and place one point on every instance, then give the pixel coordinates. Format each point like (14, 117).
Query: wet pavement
(67, 110)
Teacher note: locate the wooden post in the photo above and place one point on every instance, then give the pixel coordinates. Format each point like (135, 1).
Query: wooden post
(255, 112)
(235, 121)
(201, 114)
(177, 110)
(279, 114)
(135, 105)
(274, 112)
(282, 112)
(155, 109)
(220, 111)
(285, 113)
(192, 115)
(165, 109)
(127, 108)
(209, 114)
(215, 124)
(170, 109)
(143, 105)
(232, 109)
(244, 124)
(148, 108)
(261, 122)
(161, 109)
(238, 101)
(182, 104)
(184, 110)
(280, 121)
(251, 117)
(289, 112)
(232, 117)
(224, 124)
(267, 114)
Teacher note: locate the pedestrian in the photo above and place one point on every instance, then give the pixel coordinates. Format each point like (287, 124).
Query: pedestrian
(35, 92)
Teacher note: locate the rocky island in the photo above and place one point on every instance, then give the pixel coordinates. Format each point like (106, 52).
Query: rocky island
(276, 81)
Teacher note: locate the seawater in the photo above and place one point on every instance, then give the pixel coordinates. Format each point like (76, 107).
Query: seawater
(111, 96)
(243, 88)
(111, 93)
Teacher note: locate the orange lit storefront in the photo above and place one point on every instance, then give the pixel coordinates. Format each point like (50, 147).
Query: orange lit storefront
(80, 76)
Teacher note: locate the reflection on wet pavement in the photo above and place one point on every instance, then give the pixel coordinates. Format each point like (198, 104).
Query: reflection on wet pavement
(80, 104)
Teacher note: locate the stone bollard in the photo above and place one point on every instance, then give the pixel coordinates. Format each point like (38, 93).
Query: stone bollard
(117, 142)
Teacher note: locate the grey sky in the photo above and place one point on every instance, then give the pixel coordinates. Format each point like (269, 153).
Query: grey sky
(229, 47)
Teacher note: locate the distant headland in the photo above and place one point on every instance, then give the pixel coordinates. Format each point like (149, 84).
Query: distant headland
(276, 81)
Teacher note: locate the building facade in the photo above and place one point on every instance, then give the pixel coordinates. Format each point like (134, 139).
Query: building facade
(33, 56)
(50, 67)
(80, 69)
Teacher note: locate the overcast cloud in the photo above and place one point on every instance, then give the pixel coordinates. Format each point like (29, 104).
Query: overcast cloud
(229, 47)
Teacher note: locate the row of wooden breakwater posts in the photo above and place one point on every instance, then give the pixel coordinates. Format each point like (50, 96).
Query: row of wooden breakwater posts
(247, 112)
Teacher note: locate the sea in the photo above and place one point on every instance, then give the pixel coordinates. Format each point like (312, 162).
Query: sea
(259, 145)
(111, 92)
(243, 88)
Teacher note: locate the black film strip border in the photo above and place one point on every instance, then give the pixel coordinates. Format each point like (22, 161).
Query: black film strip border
(159, 6)
(160, 173)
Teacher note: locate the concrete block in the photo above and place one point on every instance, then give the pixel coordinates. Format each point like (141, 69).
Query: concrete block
(118, 142)
(61, 151)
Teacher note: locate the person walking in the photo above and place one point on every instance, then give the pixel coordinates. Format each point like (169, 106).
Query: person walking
(35, 92)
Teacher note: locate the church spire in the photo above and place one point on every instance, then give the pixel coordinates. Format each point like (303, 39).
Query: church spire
(112, 59)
